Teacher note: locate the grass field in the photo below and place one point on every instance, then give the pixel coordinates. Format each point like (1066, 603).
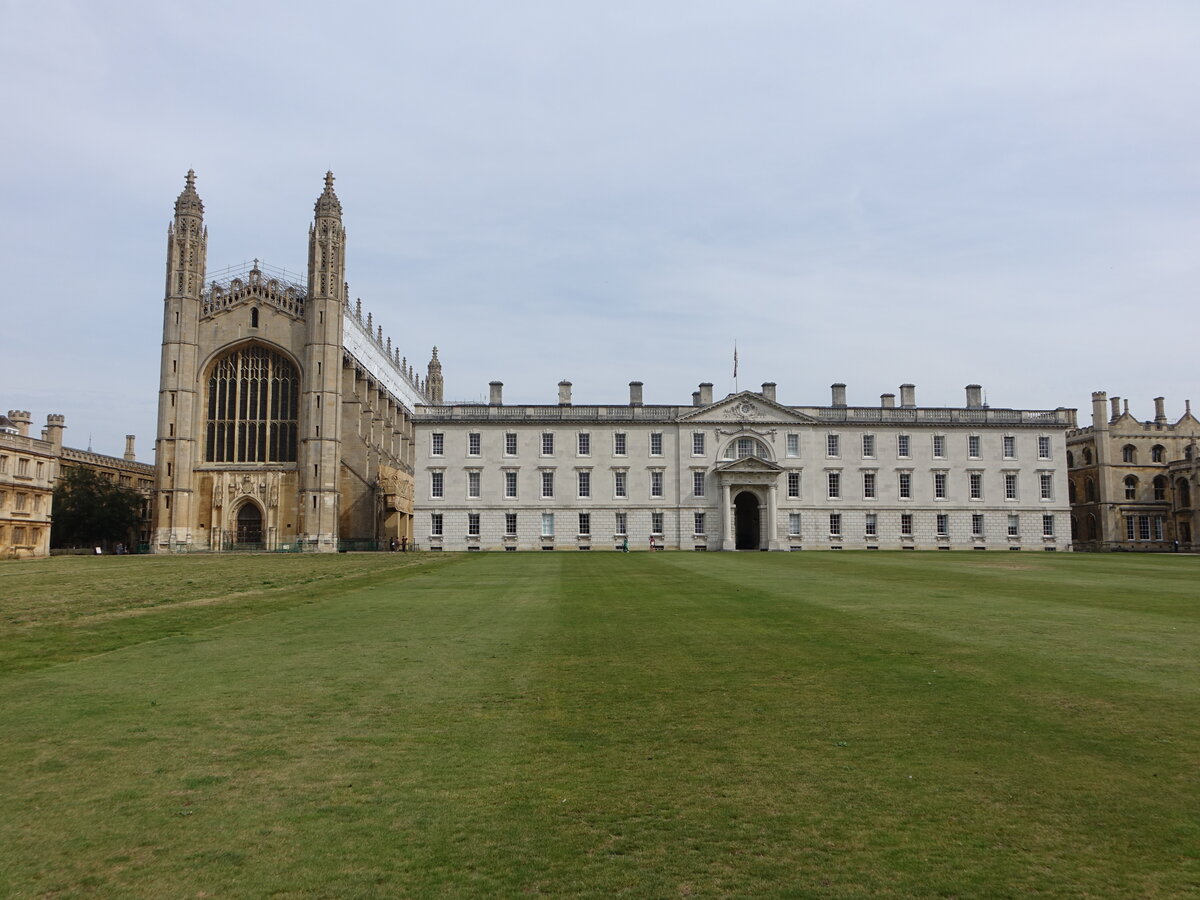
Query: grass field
(649, 725)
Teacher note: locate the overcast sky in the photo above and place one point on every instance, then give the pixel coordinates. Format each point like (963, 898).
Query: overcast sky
(873, 193)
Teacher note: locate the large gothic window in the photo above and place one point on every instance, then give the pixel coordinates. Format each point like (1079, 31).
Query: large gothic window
(253, 399)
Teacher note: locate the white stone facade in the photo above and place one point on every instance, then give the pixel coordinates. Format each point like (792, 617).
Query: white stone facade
(744, 472)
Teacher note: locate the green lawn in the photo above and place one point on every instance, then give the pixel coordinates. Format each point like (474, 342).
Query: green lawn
(572, 724)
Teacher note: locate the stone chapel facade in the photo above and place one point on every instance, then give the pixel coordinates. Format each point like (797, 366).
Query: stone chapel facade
(285, 421)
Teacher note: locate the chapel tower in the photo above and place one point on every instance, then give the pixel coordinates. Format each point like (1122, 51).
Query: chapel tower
(176, 446)
(319, 399)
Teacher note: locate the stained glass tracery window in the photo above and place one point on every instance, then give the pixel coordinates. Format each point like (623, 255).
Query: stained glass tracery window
(253, 403)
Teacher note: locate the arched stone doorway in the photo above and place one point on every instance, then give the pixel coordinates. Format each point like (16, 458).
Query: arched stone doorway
(747, 528)
(249, 524)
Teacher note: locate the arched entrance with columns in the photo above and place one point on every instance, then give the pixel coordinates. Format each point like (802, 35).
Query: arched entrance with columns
(749, 503)
(249, 524)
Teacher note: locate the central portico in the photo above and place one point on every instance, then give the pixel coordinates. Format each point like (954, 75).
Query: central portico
(749, 503)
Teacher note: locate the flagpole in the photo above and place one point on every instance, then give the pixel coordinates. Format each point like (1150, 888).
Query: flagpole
(735, 362)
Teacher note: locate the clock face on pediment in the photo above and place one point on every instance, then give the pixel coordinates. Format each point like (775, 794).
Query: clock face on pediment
(747, 409)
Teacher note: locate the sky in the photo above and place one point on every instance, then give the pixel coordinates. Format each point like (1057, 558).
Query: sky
(873, 193)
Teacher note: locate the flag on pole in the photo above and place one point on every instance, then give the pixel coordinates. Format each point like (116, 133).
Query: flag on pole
(735, 359)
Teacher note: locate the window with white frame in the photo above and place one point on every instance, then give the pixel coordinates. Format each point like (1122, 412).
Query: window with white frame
(547, 443)
(473, 524)
(939, 446)
(1047, 526)
(437, 484)
(793, 484)
(547, 484)
(510, 443)
(619, 486)
(1010, 485)
(977, 525)
(474, 444)
(656, 443)
(793, 523)
(1043, 446)
(904, 485)
(698, 484)
(547, 525)
(437, 444)
(510, 485)
(698, 523)
(473, 484)
(656, 523)
(621, 526)
(975, 485)
(973, 446)
(871, 525)
(868, 485)
(584, 444)
(833, 485)
(868, 446)
(832, 446)
(435, 524)
(619, 444)
(1014, 526)
(656, 483)
(1010, 447)
(903, 450)
(1130, 526)
(1046, 483)
(1158, 528)
(585, 524)
(943, 524)
(697, 443)
(906, 520)
(793, 445)
(585, 483)
(510, 524)
(835, 524)
(939, 485)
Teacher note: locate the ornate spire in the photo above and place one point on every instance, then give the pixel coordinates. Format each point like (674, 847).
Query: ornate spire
(189, 201)
(433, 382)
(328, 203)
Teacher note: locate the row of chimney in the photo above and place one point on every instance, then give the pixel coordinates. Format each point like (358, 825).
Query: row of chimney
(704, 396)
(1160, 411)
(55, 423)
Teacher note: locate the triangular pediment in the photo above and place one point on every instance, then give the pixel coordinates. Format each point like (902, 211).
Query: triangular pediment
(749, 408)
(749, 465)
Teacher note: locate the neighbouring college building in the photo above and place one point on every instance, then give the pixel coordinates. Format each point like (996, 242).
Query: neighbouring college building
(287, 421)
(742, 472)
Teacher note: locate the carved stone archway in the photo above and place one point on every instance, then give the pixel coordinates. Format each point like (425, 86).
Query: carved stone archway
(758, 478)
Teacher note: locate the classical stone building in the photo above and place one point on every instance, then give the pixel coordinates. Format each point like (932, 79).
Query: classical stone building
(284, 418)
(1133, 483)
(741, 472)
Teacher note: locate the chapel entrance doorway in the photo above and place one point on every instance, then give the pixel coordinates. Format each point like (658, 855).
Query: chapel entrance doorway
(747, 529)
(249, 524)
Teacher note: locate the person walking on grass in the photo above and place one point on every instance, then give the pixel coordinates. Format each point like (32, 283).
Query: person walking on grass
(625, 544)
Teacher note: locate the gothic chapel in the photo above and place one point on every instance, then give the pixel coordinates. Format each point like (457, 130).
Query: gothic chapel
(285, 420)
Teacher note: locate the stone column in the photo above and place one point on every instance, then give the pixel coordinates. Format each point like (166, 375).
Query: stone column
(727, 541)
(772, 518)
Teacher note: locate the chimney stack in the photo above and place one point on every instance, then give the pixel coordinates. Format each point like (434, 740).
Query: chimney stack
(495, 393)
(768, 390)
(22, 419)
(129, 454)
(564, 393)
(1116, 407)
(908, 395)
(55, 423)
(706, 393)
(1160, 414)
(974, 396)
(887, 401)
(839, 394)
(695, 398)
(635, 393)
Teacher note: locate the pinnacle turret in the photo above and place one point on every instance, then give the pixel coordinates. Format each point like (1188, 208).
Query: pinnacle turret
(188, 203)
(328, 203)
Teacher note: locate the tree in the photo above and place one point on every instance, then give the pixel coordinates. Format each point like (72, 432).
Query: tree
(90, 510)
